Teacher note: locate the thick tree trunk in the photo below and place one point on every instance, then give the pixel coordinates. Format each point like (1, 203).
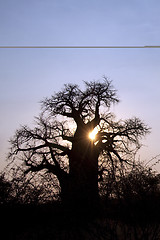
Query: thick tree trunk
(83, 171)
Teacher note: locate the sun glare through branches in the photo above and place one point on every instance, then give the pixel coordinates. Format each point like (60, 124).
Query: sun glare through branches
(92, 135)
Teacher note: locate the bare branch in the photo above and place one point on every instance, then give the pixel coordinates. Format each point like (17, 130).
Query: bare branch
(31, 148)
(58, 146)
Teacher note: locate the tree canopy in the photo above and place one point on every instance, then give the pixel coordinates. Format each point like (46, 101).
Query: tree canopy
(60, 144)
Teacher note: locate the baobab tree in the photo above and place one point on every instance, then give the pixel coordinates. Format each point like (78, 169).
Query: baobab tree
(75, 137)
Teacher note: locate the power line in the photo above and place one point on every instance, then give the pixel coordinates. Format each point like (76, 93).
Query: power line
(103, 47)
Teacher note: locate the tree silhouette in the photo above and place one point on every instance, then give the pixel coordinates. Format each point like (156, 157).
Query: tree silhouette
(60, 142)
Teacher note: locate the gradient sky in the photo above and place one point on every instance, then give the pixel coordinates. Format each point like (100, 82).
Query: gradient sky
(29, 75)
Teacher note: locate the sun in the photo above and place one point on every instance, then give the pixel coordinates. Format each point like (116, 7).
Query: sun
(92, 135)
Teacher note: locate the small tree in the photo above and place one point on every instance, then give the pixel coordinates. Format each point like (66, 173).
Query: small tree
(5, 190)
(141, 183)
(62, 144)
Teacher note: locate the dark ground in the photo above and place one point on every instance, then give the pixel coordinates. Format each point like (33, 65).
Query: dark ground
(54, 221)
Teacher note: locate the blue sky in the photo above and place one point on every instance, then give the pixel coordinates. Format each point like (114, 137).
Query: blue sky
(79, 22)
(29, 75)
